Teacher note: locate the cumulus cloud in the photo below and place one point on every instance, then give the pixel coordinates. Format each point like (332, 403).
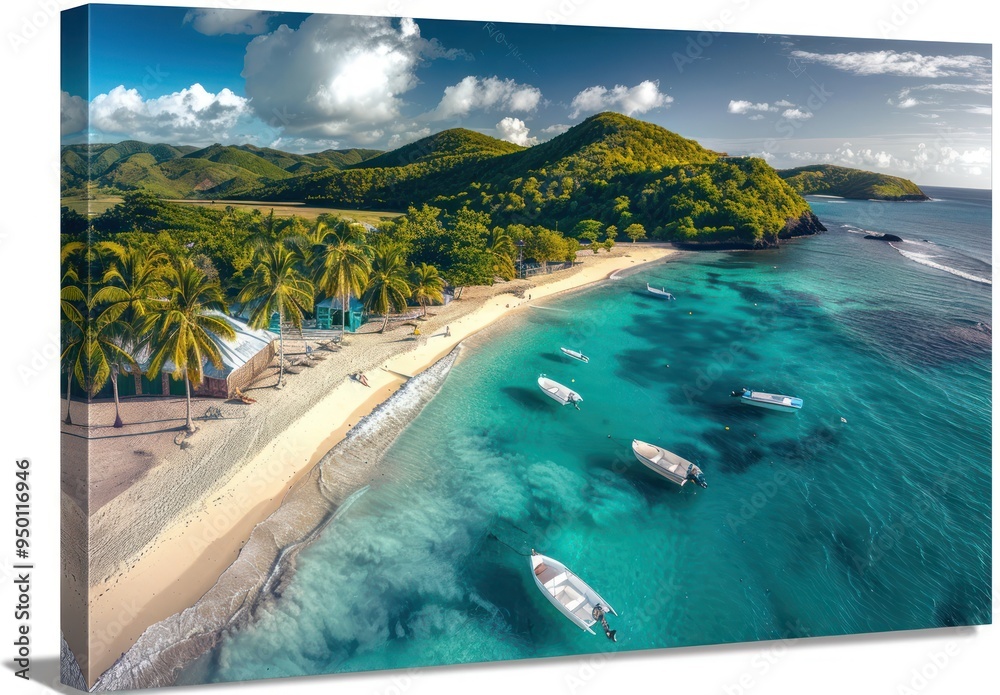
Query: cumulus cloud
(796, 114)
(213, 22)
(908, 64)
(405, 137)
(739, 106)
(766, 156)
(556, 129)
(982, 110)
(514, 130)
(473, 93)
(303, 145)
(783, 103)
(190, 116)
(920, 160)
(73, 114)
(757, 117)
(908, 103)
(641, 98)
(336, 75)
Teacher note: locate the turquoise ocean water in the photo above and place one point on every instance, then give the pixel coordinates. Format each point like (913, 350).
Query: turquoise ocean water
(810, 525)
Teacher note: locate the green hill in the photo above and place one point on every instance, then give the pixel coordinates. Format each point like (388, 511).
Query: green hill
(610, 168)
(826, 179)
(204, 172)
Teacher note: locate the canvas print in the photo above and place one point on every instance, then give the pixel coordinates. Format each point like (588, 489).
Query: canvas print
(394, 342)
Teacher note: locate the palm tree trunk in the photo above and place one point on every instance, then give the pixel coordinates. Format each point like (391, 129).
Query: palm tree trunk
(69, 388)
(343, 311)
(114, 390)
(385, 322)
(281, 352)
(187, 389)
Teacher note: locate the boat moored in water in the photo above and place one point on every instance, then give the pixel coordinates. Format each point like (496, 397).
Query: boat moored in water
(668, 464)
(557, 392)
(571, 595)
(661, 292)
(576, 355)
(771, 401)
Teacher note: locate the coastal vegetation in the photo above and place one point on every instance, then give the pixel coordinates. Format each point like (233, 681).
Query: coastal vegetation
(145, 285)
(610, 169)
(827, 179)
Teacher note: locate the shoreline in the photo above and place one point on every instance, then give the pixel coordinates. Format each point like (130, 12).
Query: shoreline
(189, 558)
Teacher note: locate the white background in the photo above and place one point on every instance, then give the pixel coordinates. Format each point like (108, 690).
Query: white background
(951, 661)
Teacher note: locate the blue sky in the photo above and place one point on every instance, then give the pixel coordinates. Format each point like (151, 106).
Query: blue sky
(311, 82)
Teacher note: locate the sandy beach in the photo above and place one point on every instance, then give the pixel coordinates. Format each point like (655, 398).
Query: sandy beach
(168, 515)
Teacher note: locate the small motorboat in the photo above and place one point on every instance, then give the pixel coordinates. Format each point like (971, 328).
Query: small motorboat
(771, 401)
(557, 392)
(661, 292)
(668, 464)
(575, 355)
(571, 595)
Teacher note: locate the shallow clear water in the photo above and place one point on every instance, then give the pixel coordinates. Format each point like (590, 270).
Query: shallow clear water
(810, 525)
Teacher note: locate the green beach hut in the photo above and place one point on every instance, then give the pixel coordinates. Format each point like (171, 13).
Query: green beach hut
(328, 314)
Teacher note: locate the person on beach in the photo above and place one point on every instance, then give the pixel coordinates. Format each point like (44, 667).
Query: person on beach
(447, 331)
(363, 379)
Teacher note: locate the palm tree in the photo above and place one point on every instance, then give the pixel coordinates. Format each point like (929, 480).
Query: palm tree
(107, 341)
(72, 300)
(500, 246)
(133, 286)
(182, 328)
(427, 285)
(342, 267)
(388, 287)
(278, 286)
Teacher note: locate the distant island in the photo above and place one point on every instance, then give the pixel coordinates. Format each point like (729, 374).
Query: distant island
(609, 171)
(827, 179)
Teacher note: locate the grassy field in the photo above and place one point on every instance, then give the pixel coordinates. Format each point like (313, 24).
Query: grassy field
(95, 206)
(92, 207)
(302, 210)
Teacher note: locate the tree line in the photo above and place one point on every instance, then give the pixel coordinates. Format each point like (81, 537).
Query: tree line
(149, 278)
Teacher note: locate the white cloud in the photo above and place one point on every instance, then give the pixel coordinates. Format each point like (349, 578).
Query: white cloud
(73, 114)
(919, 161)
(556, 129)
(213, 22)
(982, 110)
(740, 106)
(909, 64)
(796, 114)
(766, 156)
(641, 98)
(336, 75)
(514, 130)
(783, 103)
(407, 136)
(908, 103)
(303, 145)
(757, 117)
(190, 116)
(492, 92)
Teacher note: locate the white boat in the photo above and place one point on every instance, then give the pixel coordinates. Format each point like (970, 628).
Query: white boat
(668, 464)
(771, 401)
(557, 392)
(571, 595)
(575, 355)
(661, 292)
